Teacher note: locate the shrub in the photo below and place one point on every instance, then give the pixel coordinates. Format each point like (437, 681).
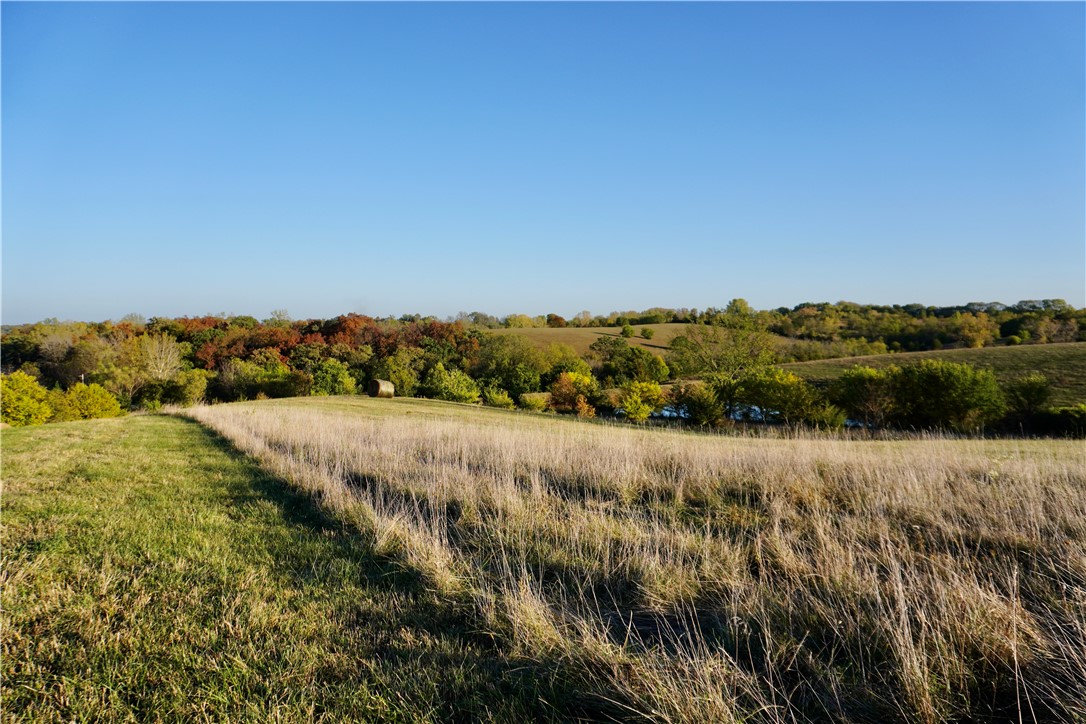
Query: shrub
(569, 387)
(582, 408)
(865, 394)
(93, 401)
(627, 331)
(647, 333)
(452, 385)
(533, 401)
(778, 395)
(940, 394)
(22, 400)
(698, 403)
(61, 404)
(641, 399)
(497, 397)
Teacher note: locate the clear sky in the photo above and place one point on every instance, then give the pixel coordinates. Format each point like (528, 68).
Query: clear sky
(181, 159)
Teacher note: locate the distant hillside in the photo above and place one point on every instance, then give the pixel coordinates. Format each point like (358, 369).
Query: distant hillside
(580, 338)
(1063, 364)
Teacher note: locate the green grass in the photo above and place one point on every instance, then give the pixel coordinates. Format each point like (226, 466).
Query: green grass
(1063, 364)
(152, 572)
(581, 338)
(414, 560)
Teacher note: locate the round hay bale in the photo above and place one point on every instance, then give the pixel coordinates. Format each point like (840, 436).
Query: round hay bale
(382, 388)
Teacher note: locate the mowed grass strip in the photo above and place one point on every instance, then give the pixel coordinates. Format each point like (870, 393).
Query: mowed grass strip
(152, 573)
(1063, 364)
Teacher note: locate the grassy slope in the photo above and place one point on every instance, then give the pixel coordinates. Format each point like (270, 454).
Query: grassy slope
(1063, 364)
(580, 338)
(594, 552)
(149, 570)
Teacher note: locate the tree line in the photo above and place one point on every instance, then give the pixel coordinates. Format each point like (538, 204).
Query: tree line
(59, 371)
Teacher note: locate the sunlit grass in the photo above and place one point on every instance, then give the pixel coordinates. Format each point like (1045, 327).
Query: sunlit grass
(152, 573)
(706, 578)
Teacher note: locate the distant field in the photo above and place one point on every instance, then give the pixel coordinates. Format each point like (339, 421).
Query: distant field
(580, 338)
(1063, 364)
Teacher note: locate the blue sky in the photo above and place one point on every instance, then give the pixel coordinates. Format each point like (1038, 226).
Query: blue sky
(180, 159)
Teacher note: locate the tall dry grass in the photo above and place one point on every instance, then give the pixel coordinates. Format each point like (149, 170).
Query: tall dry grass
(680, 577)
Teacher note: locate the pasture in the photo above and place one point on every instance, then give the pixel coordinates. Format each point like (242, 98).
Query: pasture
(1063, 364)
(418, 560)
(581, 338)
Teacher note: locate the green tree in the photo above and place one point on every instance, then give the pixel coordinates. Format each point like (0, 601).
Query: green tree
(778, 395)
(402, 368)
(698, 403)
(627, 331)
(648, 332)
(512, 363)
(865, 394)
(939, 394)
(1028, 395)
(641, 399)
(451, 385)
(731, 347)
(22, 400)
(620, 363)
(332, 377)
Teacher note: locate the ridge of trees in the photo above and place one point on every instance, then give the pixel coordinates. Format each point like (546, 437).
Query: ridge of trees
(147, 363)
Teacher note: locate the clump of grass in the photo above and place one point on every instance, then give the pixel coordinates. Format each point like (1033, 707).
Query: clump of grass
(688, 578)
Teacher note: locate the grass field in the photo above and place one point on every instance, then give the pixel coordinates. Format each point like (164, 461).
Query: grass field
(1063, 364)
(412, 560)
(150, 572)
(656, 575)
(581, 338)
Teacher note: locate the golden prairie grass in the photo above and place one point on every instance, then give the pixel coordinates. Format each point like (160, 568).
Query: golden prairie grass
(682, 577)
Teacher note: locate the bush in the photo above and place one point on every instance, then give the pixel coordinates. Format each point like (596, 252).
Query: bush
(61, 404)
(865, 394)
(938, 394)
(571, 386)
(93, 401)
(698, 403)
(627, 331)
(1061, 422)
(640, 399)
(450, 385)
(1028, 395)
(647, 333)
(779, 396)
(22, 400)
(534, 401)
(332, 377)
(497, 397)
(582, 408)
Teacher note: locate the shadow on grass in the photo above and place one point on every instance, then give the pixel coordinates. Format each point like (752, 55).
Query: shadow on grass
(431, 646)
